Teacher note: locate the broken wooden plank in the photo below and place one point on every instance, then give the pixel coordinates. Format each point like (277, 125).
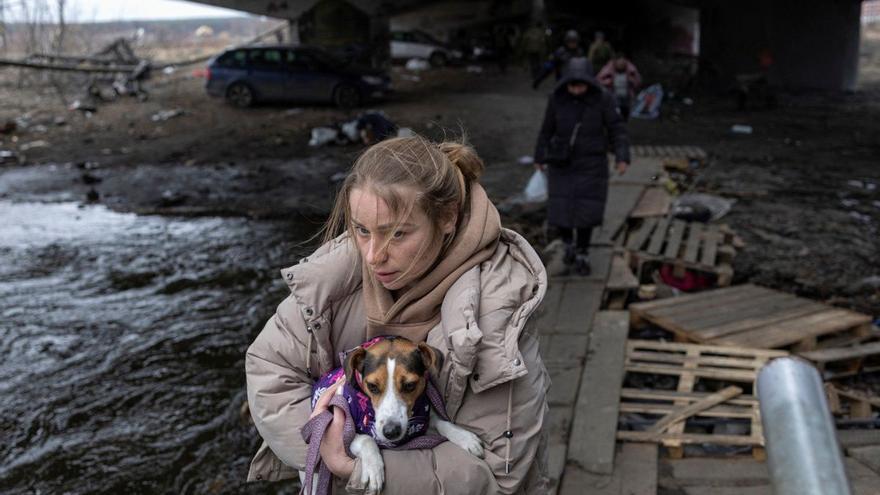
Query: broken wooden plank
(638, 238)
(596, 410)
(659, 236)
(842, 353)
(689, 410)
(621, 277)
(693, 243)
(655, 202)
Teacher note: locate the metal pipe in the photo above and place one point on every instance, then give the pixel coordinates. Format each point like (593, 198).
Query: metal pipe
(803, 454)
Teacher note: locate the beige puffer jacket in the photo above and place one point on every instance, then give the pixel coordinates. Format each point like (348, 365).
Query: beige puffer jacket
(493, 379)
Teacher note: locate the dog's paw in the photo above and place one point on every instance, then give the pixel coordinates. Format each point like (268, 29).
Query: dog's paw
(470, 442)
(461, 437)
(373, 473)
(372, 465)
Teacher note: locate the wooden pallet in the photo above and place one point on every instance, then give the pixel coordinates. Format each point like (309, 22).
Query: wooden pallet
(621, 282)
(754, 317)
(691, 363)
(668, 151)
(852, 404)
(838, 362)
(685, 245)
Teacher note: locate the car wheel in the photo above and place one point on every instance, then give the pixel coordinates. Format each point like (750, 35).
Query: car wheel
(346, 96)
(240, 95)
(437, 59)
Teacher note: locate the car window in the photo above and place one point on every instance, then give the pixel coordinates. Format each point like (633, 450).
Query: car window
(265, 58)
(422, 38)
(235, 58)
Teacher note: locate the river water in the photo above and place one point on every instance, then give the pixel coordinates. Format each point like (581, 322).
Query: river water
(122, 340)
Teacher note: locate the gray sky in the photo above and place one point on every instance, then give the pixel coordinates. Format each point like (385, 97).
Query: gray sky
(115, 10)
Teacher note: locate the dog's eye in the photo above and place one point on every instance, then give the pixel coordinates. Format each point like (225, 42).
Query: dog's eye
(408, 387)
(373, 388)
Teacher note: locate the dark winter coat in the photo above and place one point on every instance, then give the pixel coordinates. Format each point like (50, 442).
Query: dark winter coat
(577, 191)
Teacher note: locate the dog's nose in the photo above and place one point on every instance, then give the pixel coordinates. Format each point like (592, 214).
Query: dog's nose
(392, 431)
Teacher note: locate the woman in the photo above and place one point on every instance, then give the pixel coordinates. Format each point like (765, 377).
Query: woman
(621, 78)
(578, 185)
(413, 248)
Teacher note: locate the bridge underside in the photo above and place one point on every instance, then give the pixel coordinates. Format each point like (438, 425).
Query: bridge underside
(796, 43)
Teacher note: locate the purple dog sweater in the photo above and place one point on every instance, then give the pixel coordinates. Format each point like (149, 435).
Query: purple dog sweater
(360, 419)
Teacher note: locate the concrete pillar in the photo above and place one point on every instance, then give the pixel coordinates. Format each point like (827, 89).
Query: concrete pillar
(816, 43)
(813, 44)
(342, 28)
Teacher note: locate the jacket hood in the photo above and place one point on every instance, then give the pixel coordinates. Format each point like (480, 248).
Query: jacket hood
(578, 69)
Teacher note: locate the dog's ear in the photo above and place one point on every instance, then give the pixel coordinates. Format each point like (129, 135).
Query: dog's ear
(432, 358)
(354, 362)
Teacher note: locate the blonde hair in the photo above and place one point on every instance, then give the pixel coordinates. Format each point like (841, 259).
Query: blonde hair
(439, 173)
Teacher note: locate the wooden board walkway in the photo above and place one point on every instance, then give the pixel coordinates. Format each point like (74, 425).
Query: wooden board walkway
(668, 151)
(691, 363)
(750, 316)
(685, 245)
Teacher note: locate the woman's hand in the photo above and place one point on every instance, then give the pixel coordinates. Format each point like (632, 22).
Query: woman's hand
(332, 448)
(621, 167)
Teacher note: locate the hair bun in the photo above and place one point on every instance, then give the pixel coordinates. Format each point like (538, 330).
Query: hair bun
(465, 158)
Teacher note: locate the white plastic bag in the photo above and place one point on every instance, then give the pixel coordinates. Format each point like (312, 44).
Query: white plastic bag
(536, 189)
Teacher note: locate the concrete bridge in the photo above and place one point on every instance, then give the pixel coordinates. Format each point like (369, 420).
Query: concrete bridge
(797, 43)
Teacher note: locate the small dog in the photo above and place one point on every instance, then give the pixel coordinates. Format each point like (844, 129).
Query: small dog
(390, 376)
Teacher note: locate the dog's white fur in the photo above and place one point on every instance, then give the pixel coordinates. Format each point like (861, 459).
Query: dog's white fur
(393, 408)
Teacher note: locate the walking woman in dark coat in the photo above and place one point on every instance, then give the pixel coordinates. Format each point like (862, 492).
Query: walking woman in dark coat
(578, 185)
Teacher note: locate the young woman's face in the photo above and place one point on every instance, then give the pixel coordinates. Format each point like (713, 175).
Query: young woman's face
(397, 253)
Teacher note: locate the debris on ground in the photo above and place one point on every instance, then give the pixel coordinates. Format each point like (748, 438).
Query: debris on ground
(417, 65)
(83, 106)
(8, 156)
(34, 145)
(692, 205)
(164, 115)
(648, 102)
(741, 129)
(474, 69)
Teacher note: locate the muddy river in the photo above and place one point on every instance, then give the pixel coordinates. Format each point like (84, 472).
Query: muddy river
(122, 340)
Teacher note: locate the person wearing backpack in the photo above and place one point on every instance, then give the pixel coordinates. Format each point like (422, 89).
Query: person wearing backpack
(580, 123)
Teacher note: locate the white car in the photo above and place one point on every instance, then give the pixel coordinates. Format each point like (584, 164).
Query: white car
(417, 44)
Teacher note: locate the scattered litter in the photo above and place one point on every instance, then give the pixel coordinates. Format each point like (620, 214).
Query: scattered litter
(322, 136)
(164, 115)
(741, 129)
(870, 186)
(849, 203)
(688, 101)
(8, 156)
(350, 130)
(83, 106)
(526, 160)
(648, 102)
(169, 70)
(34, 145)
(701, 207)
(536, 189)
(474, 69)
(292, 111)
(860, 217)
(59, 121)
(410, 77)
(417, 64)
(172, 198)
(405, 132)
